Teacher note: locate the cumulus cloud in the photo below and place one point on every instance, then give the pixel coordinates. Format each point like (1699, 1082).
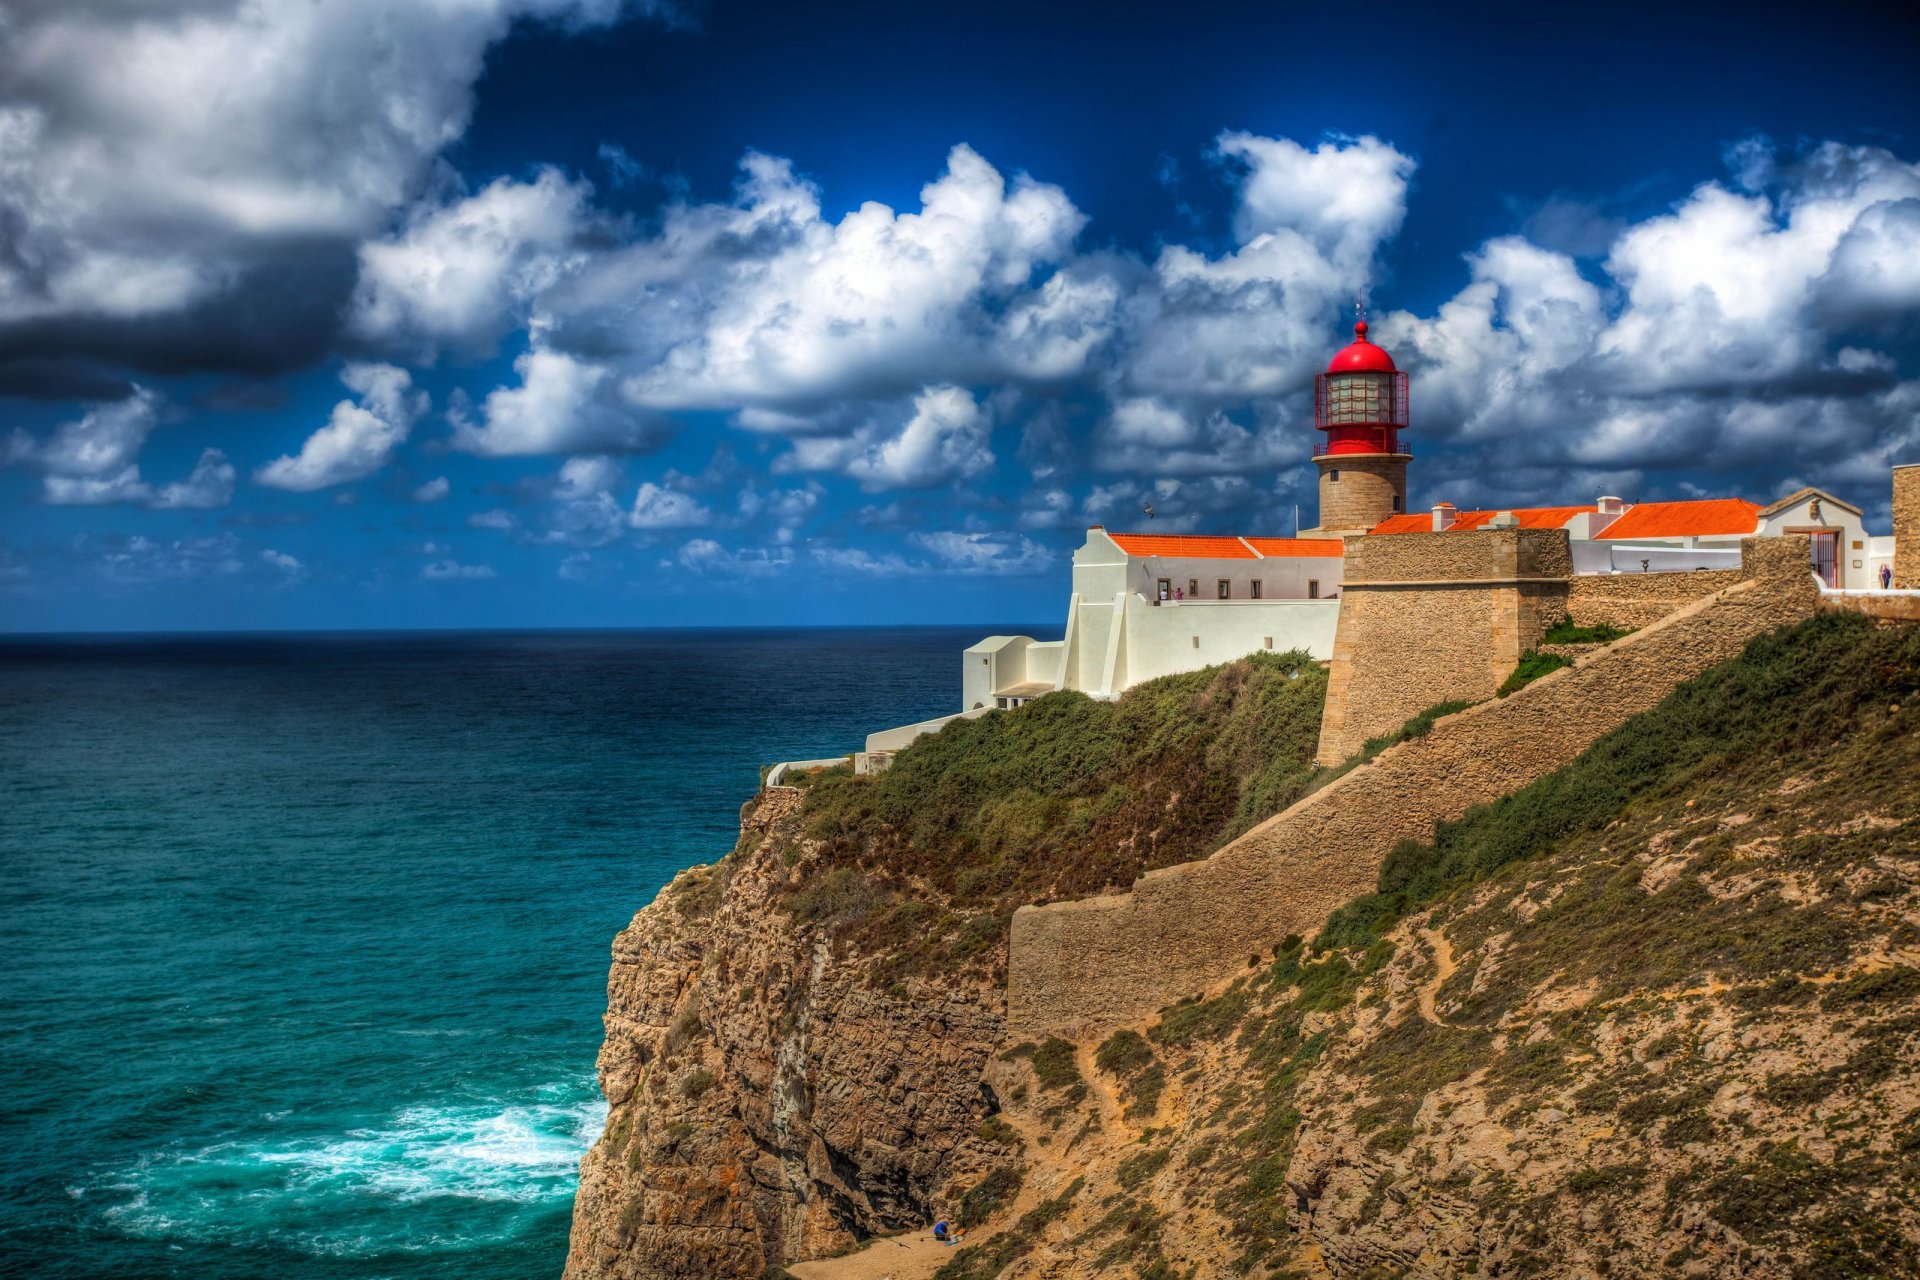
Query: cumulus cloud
(945, 437)
(185, 183)
(710, 558)
(984, 553)
(358, 439)
(94, 460)
(657, 507)
(562, 405)
(1714, 344)
(763, 301)
(433, 490)
(462, 274)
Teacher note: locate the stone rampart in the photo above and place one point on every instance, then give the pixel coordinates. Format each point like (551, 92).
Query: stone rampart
(1640, 599)
(1435, 618)
(1906, 526)
(1117, 959)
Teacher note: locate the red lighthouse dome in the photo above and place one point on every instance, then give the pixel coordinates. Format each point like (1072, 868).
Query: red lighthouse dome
(1361, 356)
(1361, 400)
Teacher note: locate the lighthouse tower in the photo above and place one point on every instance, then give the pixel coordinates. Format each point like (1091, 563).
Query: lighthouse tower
(1361, 403)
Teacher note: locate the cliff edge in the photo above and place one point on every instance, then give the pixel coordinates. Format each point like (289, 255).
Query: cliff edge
(1650, 1014)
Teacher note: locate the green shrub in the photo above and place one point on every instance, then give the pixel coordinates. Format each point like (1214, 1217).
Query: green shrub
(1123, 1053)
(1054, 1066)
(987, 1196)
(695, 1083)
(1567, 631)
(1533, 665)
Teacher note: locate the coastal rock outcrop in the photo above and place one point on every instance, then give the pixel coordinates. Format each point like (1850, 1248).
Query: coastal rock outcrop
(768, 1100)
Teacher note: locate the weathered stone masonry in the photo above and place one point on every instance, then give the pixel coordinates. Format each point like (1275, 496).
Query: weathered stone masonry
(1906, 526)
(1640, 599)
(1425, 620)
(1119, 958)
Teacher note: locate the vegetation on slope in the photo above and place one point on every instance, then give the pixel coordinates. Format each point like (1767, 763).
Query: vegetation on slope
(922, 866)
(1744, 851)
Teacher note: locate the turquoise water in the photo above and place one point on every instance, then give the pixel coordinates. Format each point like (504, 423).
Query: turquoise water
(304, 940)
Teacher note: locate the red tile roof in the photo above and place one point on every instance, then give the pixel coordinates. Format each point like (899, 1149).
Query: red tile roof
(1183, 544)
(1529, 518)
(1324, 548)
(1686, 519)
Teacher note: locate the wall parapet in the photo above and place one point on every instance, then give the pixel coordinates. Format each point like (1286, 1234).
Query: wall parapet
(1119, 958)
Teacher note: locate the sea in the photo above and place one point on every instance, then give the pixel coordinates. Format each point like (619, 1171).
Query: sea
(304, 938)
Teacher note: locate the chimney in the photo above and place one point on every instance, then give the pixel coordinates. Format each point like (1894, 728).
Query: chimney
(1504, 520)
(1444, 515)
(1102, 528)
(1611, 506)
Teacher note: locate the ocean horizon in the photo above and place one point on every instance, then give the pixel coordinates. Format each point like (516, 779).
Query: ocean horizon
(306, 933)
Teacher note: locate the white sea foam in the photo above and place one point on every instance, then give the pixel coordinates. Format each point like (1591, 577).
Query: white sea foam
(323, 1192)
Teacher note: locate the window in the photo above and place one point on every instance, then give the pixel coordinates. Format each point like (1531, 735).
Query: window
(1267, 640)
(1196, 642)
(1256, 588)
(1313, 588)
(1396, 502)
(1193, 588)
(1163, 591)
(1226, 589)
(1359, 397)
(1334, 475)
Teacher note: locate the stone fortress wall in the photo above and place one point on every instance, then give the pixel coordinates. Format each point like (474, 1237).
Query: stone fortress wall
(1906, 526)
(1425, 620)
(1640, 599)
(1117, 959)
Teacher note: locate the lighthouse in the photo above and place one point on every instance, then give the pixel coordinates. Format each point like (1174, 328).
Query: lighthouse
(1360, 402)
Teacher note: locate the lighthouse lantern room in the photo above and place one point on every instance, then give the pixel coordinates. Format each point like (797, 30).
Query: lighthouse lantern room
(1360, 402)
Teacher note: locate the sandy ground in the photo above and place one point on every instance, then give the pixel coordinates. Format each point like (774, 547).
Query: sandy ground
(915, 1256)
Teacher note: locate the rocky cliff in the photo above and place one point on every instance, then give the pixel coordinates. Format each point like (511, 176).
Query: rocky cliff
(1654, 1014)
(768, 1102)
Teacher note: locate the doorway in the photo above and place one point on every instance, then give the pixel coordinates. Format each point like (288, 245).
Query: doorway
(1826, 555)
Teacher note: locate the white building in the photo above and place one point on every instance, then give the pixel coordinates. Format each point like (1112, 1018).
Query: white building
(1612, 536)
(1147, 605)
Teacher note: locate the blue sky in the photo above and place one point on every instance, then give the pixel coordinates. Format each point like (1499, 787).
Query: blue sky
(591, 313)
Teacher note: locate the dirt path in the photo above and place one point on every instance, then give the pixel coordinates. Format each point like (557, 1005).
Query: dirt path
(914, 1256)
(1443, 969)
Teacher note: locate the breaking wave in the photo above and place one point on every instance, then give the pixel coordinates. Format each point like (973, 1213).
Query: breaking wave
(405, 1185)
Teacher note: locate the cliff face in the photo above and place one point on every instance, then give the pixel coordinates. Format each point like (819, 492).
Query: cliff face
(1653, 1014)
(767, 1101)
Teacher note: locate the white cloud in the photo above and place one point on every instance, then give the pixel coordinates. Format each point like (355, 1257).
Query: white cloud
(561, 405)
(946, 437)
(433, 490)
(358, 439)
(140, 560)
(985, 553)
(94, 460)
(764, 302)
(494, 519)
(210, 484)
(655, 507)
(289, 566)
(154, 157)
(855, 560)
(1716, 347)
(462, 274)
(454, 571)
(707, 557)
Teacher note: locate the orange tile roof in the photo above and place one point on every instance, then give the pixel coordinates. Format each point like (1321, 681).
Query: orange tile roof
(1529, 518)
(1322, 548)
(1183, 544)
(1686, 519)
